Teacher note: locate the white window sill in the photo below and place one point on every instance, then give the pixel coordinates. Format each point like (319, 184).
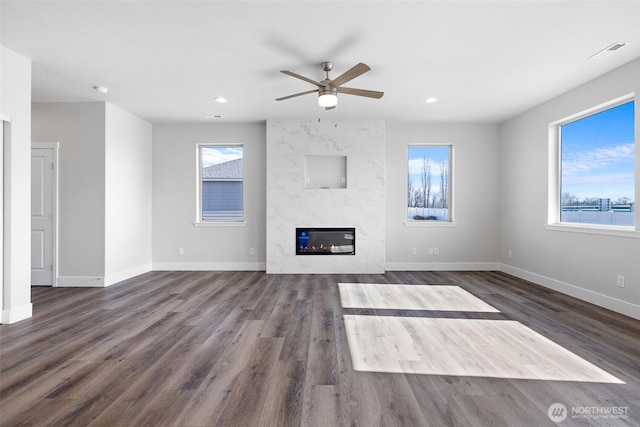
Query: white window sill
(430, 223)
(219, 224)
(594, 229)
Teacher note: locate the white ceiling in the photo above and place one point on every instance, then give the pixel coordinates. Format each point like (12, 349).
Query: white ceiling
(485, 61)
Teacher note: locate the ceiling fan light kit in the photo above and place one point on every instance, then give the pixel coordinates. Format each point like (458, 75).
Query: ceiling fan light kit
(328, 89)
(327, 98)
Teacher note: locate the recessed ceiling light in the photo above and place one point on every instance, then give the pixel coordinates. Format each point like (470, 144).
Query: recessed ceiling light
(609, 50)
(431, 100)
(212, 116)
(220, 99)
(101, 89)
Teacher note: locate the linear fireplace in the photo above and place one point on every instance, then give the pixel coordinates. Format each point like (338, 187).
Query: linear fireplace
(325, 241)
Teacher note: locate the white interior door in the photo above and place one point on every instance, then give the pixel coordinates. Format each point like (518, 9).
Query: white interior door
(43, 218)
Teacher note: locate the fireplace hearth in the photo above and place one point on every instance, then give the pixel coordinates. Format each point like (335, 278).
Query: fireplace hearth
(325, 241)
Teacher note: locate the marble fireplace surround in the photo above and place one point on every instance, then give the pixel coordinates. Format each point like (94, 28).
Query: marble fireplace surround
(359, 204)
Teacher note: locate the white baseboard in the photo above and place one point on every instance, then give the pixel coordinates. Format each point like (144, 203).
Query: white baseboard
(80, 281)
(16, 314)
(614, 304)
(315, 270)
(114, 278)
(209, 266)
(442, 266)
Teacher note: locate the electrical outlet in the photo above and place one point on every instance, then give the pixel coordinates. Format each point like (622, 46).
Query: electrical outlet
(430, 251)
(180, 251)
(510, 253)
(436, 251)
(414, 251)
(620, 281)
(252, 251)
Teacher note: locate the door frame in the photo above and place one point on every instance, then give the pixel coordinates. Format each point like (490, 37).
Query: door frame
(5, 122)
(55, 147)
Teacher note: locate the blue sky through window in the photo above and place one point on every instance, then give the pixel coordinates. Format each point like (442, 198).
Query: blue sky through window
(213, 155)
(437, 155)
(598, 155)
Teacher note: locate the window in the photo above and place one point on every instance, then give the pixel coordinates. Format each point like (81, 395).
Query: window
(597, 167)
(220, 183)
(429, 183)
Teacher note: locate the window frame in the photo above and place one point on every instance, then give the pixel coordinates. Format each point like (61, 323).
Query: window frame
(216, 222)
(555, 175)
(450, 222)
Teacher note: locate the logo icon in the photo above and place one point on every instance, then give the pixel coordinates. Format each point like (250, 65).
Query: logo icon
(557, 412)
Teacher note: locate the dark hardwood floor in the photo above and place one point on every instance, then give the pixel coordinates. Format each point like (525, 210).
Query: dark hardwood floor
(250, 349)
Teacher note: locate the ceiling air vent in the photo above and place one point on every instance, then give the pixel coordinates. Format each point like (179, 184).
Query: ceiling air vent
(609, 50)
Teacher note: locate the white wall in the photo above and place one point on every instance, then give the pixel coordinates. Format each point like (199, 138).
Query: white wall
(104, 208)
(580, 264)
(79, 127)
(15, 102)
(471, 242)
(361, 204)
(174, 200)
(128, 189)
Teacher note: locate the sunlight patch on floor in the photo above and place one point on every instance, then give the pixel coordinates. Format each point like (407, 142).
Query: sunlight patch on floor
(410, 297)
(452, 346)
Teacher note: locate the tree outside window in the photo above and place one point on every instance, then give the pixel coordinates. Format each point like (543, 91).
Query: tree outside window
(428, 183)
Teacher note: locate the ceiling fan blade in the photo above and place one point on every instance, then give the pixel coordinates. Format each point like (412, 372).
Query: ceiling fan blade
(360, 92)
(298, 76)
(350, 74)
(297, 94)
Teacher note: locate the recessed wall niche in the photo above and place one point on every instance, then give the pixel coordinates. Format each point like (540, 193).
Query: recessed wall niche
(325, 171)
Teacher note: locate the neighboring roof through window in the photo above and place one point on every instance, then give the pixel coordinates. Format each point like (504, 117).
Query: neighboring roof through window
(231, 170)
